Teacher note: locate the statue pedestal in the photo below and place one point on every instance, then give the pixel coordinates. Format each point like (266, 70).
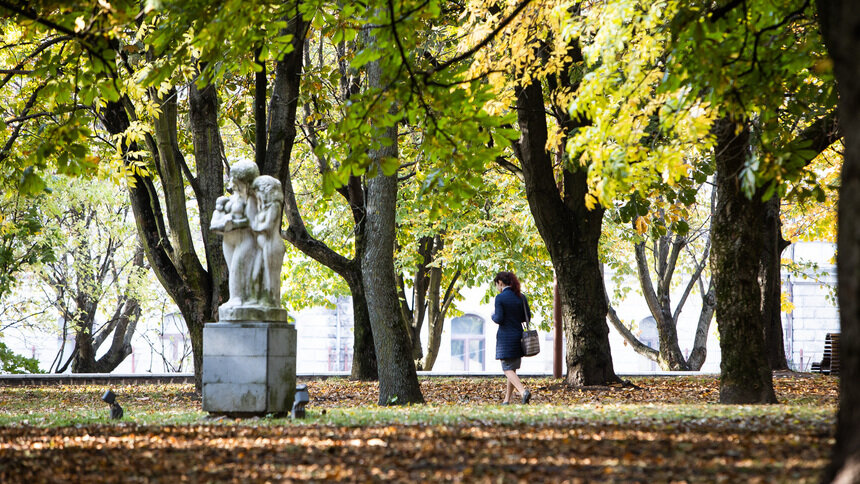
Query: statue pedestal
(249, 368)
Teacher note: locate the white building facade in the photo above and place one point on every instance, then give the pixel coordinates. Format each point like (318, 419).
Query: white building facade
(469, 341)
(325, 335)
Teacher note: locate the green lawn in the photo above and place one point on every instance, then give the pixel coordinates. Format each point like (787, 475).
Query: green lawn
(671, 428)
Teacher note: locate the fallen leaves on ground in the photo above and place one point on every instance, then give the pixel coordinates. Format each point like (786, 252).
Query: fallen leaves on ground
(795, 387)
(677, 434)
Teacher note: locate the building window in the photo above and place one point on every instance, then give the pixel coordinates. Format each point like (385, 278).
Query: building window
(467, 343)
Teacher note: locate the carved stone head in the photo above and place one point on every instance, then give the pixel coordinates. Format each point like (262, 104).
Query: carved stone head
(268, 189)
(244, 172)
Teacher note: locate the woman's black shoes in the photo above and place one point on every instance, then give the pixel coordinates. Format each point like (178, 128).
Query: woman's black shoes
(527, 395)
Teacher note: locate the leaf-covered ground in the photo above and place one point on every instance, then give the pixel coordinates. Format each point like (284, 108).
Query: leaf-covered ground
(669, 430)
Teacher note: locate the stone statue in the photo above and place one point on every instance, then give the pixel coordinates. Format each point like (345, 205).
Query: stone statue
(267, 227)
(250, 222)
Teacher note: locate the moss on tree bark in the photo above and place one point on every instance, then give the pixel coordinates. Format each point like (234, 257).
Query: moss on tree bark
(745, 375)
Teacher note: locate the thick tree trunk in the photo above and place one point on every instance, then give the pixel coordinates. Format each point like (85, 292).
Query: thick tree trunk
(398, 380)
(85, 355)
(840, 24)
(737, 245)
(583, 309)
(571, 233)
(209, 185)
(770, 279)
(84, 360)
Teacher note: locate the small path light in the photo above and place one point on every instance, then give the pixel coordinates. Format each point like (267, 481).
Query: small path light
(302, 399)
(115, 410)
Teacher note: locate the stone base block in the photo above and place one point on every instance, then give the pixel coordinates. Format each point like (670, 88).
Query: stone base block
(252, 313)
(249, 368)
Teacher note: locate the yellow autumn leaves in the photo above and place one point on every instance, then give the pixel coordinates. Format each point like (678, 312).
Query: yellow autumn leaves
(637, 134)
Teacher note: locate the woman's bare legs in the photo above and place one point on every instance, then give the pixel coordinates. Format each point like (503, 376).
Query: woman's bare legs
(513, 380)
(509, 391)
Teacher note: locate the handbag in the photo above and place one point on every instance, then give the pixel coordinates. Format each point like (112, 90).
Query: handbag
(530, 341)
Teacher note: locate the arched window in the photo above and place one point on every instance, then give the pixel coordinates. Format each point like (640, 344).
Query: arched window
(467, 343)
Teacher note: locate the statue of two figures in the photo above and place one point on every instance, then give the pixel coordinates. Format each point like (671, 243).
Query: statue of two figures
(250, 222)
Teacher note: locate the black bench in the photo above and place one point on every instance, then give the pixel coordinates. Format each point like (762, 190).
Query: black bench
(829, 364)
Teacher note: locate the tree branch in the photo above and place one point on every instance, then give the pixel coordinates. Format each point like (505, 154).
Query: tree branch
(17, 131)
(87, 41)
(628, 336)
(645, 280)
(486, 40)
(507, 165)
(696, 275)
(18, 68)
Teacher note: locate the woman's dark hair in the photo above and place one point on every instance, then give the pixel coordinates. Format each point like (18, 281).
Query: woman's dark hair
(509, 279)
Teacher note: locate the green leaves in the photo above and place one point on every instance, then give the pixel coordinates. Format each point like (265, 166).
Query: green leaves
(364, 57)
(11, 362)
(24, 241)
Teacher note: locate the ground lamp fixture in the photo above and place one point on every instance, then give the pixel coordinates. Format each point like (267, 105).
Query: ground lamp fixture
(115, 410)
(302, 399)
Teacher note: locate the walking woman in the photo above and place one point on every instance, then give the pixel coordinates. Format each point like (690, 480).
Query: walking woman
(511, 310)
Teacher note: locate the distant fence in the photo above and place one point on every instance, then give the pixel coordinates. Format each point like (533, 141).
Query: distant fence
(162, 378)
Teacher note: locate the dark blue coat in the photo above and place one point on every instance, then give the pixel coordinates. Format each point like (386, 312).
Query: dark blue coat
(509, 315)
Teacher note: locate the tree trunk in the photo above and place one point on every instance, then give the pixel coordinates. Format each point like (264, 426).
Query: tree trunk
(817, 137)
(736, 234)
(209, 185)
(90, 274)
(194, 300)
(670, 356)
(122, 325)
(398, 381)
(364, 364)
(700, 341)
(840, 25)
(428, 302)
(87, 344)
(121, 343)
(770, 279)
(571, 233)
(84, 360)
(435, 325)
(628, 336)
(363, 354)
(422, 290)
(437, 309)
(281, 137)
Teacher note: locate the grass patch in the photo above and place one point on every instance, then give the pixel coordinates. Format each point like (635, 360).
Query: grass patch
(451, 401)
(670, 430)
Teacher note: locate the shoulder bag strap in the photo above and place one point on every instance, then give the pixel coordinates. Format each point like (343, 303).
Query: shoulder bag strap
(526, 312)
